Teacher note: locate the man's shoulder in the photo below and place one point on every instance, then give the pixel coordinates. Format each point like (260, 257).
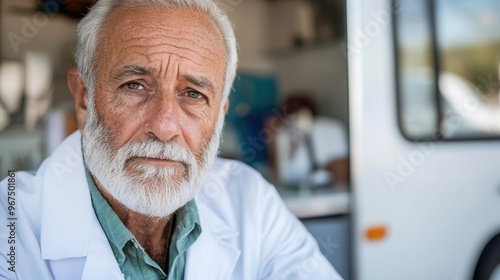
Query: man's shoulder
(232, 183)
(234, 167)
(21, 185)
(235, 174)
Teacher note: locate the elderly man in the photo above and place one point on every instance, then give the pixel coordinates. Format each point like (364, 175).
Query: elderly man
(139, 194)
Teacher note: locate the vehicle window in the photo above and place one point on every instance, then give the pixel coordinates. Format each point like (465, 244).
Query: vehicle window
(448, 69)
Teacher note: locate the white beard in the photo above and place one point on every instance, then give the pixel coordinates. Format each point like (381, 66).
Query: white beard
(153, 191)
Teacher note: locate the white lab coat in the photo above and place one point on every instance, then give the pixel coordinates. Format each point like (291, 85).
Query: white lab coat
(247, 232)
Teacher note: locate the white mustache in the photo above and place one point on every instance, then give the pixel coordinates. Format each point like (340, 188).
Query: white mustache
(151, 148)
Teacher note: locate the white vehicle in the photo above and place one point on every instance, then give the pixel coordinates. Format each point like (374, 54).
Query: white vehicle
(425, 138)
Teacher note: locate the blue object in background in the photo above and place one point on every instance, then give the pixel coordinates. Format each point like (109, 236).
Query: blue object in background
(253, 99)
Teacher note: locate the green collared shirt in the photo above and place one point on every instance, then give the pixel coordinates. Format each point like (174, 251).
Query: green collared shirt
(133, 260)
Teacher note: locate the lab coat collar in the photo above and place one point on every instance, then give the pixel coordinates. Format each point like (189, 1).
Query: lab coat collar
(66, 218)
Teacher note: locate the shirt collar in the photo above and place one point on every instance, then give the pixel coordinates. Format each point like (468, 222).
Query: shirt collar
(187, 226)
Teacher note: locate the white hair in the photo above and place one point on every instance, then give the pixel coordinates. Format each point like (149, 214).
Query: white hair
(90, 27)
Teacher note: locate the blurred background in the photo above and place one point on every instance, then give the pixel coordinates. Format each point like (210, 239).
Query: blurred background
(339, 104)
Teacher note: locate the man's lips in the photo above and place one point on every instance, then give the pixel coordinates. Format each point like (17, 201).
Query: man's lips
(156, 161)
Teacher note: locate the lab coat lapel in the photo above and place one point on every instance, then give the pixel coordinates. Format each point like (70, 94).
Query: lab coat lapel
(101, 262)
(69, 227)
(66, 216)
(215, 254)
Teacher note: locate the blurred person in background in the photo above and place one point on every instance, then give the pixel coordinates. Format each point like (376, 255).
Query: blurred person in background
(308, 150)
(138, 192)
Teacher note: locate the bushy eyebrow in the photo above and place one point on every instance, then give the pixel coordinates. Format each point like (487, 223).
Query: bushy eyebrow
(200, 82)
(130, 70)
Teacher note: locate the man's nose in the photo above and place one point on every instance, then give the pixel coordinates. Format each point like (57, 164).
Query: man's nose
(163, 117)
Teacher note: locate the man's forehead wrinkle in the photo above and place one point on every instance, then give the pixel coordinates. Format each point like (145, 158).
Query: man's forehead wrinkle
(180, 42)
(158, 43)
(196, 62)
(153, 50)
(179, 35)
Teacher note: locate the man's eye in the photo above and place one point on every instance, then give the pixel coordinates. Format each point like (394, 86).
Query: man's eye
(134, 86)
(194, 95)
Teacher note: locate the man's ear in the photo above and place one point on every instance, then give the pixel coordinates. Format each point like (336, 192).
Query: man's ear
(79, 92)
(226, 106)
